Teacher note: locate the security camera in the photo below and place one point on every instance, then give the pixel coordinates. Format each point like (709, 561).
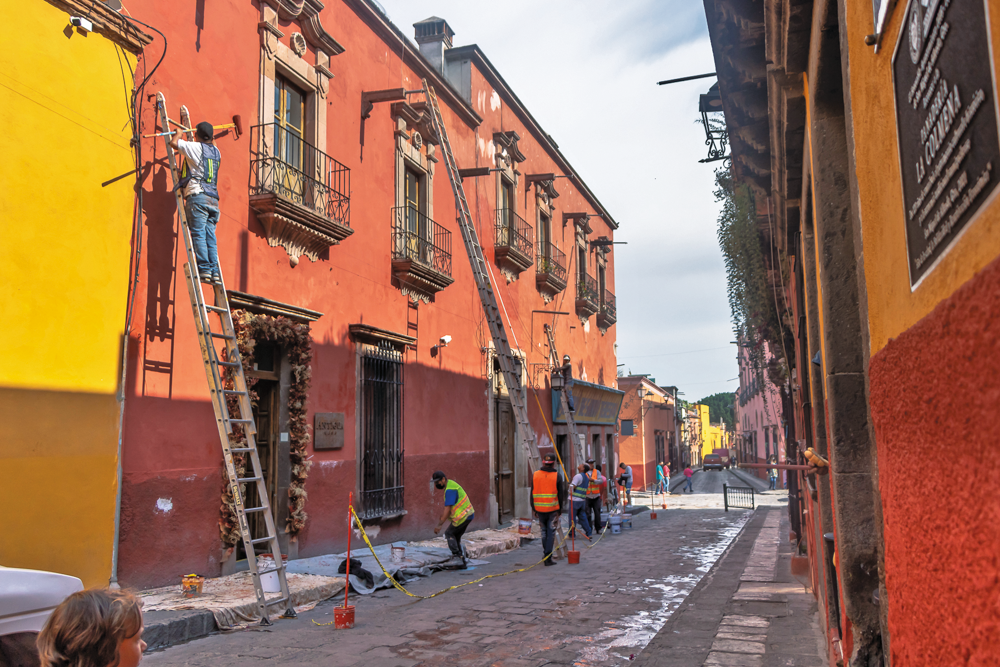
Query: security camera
(444, 341)
(82, 23)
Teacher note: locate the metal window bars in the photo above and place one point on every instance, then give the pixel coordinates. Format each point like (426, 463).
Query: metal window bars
(418, 238)
(586, 289)
(609, 306)
(284, 164)
(513, 232)
(551, 260)
(381, 423)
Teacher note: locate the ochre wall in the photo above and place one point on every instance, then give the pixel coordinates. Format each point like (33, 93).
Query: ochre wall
(934, 387)
(65, 256)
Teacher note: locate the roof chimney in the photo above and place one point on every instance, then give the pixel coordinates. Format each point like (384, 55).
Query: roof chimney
(434, 36)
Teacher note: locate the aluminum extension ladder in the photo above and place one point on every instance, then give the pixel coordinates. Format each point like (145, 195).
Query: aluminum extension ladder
(214, 370)
(564, 401)
(508, 364)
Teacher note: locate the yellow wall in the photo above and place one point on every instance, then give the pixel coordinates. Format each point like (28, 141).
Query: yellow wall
(64, 262)
(893, 308)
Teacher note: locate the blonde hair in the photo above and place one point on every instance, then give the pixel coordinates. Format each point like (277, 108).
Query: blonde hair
(86, 629)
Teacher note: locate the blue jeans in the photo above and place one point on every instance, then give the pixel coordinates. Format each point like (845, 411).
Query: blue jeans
(688, 486)
(547, 522)
(774, 483)
(203, 215)
(580, 516)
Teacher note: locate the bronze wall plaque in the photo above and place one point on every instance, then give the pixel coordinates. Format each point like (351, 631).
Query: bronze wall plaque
(946, 124)
(329, 430)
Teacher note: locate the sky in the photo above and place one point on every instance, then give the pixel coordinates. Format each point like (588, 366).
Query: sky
(587, 71)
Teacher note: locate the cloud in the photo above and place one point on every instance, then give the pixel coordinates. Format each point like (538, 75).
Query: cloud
(587, 71)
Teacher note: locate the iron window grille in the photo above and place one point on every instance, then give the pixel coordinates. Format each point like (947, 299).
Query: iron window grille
(418, 238)
(551, 260)
(586, 289)
(381, 423)
(513, 232)
(284, 164)
(609, 306)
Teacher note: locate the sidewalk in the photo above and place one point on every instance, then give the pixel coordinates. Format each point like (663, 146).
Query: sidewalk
(748, 612)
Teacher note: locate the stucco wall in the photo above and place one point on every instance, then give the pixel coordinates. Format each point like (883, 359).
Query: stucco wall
(65, 256)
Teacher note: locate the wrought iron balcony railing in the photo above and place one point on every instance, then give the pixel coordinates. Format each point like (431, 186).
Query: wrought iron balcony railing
(551, 260)
(417, 238)
(609, 306)
(513, 232)
(283, 164)
(586, 290)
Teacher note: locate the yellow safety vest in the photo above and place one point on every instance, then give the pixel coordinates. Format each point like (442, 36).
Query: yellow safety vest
(462, 509)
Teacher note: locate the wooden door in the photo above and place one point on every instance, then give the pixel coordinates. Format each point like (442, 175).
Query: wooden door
(503, 474)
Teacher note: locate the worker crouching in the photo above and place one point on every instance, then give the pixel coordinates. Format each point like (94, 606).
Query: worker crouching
(458, 509)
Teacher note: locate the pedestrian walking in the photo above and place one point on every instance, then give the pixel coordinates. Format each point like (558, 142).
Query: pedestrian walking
(578, 490)
(594, 479)
(688, 486)
(772, 473)
(666, 478)
(625, 480)
(547, 495)
(660, 478)
(200, 179)
(458, 508)
(93, 628)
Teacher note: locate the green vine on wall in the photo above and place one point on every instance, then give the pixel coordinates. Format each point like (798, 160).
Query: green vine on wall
(295, 338)
(751, 298)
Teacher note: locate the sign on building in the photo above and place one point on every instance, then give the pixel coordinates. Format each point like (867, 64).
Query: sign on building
(329, 430)
(946, 124)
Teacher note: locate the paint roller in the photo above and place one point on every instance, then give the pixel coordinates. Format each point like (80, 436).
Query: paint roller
(236, 125)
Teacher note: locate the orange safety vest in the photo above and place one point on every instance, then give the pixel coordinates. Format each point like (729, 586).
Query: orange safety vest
(544, 491)
(593, 487)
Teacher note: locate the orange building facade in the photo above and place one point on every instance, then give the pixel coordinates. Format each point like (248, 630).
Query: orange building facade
(344, 263)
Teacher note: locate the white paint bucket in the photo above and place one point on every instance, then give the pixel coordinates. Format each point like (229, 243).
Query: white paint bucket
(627, 521)
(269, 581)
(616, 524)
(398, 554)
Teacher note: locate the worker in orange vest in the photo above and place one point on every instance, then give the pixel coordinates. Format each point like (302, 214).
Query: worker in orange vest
(547, 493)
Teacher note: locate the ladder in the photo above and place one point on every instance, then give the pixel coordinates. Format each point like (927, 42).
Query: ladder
(508, 364)
(578, 446)
(215, 367)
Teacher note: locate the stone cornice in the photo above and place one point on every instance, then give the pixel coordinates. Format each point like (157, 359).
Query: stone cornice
(259, 304)
(107, 23)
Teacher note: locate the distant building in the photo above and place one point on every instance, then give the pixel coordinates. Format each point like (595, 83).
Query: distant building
(760, 428)
(648, 428)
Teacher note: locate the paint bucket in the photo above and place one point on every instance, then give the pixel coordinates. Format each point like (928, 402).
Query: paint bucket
(343, 617)
(626, 521)
(191, 585)
(398, 554)
(573, 557)
(524, 526)
(616, 524)
(604, 517)
(270, 581)
(652, 515)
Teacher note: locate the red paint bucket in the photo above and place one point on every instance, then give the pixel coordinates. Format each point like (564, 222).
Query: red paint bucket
(573, 557)
(652, 515)
(343, 617)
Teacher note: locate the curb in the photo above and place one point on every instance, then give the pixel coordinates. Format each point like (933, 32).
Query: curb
(169, 628)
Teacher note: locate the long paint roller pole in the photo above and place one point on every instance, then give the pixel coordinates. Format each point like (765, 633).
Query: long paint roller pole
(350, 527)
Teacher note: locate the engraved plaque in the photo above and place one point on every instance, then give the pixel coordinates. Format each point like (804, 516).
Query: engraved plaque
(328, 430)
(946, 124)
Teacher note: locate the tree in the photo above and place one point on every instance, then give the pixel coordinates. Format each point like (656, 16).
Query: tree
(720, 407)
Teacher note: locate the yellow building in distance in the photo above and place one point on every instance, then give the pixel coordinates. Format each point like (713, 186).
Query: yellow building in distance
(65, 259)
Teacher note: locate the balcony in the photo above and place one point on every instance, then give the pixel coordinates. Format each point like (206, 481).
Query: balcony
(301, 195)
(608, 314)
(512, 248)
(550, 271)
(588, 300)
(421, 254)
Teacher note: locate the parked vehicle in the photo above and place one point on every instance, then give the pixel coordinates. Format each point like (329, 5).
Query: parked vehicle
(712, 462)
(724, 455)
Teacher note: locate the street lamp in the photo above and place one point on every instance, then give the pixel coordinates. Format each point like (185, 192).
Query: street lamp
(716, 133)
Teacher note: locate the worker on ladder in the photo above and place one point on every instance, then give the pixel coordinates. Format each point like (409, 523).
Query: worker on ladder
(200, 179)
(567, 373)
(458, 508)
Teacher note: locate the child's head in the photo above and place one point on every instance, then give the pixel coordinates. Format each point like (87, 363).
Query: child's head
(93, 628)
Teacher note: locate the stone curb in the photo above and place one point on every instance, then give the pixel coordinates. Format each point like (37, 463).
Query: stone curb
(169, 628)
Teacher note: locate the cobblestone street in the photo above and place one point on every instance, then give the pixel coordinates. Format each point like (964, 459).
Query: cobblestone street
(597, 613)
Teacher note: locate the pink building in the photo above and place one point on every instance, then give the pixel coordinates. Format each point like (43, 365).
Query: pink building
(760, 430)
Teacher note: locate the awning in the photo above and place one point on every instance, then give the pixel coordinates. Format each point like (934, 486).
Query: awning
(594, 403)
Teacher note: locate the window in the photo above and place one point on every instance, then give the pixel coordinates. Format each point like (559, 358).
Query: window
(627, 427)
(414, 201)
(544, 234)
(582, 263)
(380, 421)
(506, 202)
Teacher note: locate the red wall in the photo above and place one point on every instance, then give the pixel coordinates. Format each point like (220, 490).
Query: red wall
(934, 396)
(171, 446)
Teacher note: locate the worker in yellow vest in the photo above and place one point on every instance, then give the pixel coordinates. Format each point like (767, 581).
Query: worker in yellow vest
(547, 493)
(458, 508)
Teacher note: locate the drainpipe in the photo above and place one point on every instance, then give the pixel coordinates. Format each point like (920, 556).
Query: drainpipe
(113, 581)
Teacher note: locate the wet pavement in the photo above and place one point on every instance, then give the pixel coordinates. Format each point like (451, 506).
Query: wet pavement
(597, 613)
